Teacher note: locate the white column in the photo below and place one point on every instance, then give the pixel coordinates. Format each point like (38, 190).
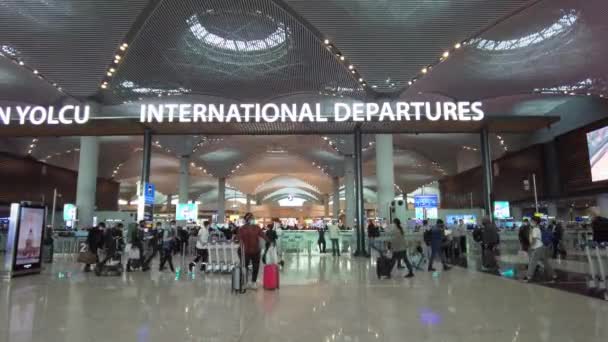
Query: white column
(184, 179)
(221, 200)
(349, 188)
(552, 209)
(87, 180)
(602, 204)
(385, 173)
(248, 204)
(336, 205)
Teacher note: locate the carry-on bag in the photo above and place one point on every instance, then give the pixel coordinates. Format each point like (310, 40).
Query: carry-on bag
(239, 275)
(271, 276)
(85, 256)
(384, 266)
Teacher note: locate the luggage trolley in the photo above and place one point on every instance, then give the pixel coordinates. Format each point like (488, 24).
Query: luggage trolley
(225, 263)
(601, 252)
(596, 279)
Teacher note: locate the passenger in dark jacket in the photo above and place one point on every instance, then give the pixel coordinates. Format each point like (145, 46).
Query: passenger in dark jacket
(490, 241)
(136, 239)
(95, 241)
(524, 235)
(113, 243)
(437, 242)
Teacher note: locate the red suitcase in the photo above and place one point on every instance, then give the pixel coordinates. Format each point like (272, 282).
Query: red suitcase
(271, 277)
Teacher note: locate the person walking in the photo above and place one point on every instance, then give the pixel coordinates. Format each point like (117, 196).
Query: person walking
(272, 238)
(490, 241)
(398, 246)
(113, 243)
(437, 241)
(168, 245)
(249, 235)
(558, 236)
(94, 242)
(460, 239)
(135, 236)
(202, 248)
(321, 239)
(538, 253)
(155, 243)
(334, 237)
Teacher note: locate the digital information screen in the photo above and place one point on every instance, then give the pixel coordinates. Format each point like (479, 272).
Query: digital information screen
(501, 210)
(186, 212)
(29, 238)
(426, 201)
(597, 143)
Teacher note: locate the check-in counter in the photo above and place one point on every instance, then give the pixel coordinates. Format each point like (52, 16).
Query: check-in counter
(305, 241)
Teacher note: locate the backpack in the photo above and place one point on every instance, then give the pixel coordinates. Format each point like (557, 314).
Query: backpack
(478, 235)
(546, 236)
(428, 237)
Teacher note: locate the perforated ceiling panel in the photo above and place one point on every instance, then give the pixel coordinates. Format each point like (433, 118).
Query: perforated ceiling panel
(389, 41)
(68, 41)
(236, 49)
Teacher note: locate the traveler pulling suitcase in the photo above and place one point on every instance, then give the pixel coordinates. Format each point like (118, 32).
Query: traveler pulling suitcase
(239, 275)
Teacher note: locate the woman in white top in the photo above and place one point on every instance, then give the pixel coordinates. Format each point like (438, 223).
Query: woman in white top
(202, 250)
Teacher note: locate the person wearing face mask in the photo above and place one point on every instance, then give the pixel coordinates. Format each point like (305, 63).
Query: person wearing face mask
(249, 235)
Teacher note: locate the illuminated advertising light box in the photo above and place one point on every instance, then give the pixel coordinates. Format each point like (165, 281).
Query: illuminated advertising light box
(24, 244)
(186, 212)
(426, 201)
(69, 212)
(597, 143)
(501, 210)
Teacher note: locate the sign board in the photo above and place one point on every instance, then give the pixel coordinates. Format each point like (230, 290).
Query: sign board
(23, 253)
(145, 203)
(69, 212)
(186, 212)
(501, 210)
(426, 201)
(389, 111)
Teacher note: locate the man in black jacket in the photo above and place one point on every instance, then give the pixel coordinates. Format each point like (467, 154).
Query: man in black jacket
(137, 241)
(95, 241)
(113, 243)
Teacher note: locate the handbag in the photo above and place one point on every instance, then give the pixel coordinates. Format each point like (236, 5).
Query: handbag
(85, 256)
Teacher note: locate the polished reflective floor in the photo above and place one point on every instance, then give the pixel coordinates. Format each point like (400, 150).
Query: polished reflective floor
(321, 299)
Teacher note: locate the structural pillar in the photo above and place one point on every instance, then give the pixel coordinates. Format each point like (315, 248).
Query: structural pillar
(184, 179)
(248, 204)
(486, 166)
(552, 209)
(86, 188)
(326, 205)
(336, 205)
(602, 204)
(147, 155)
(349, 190)
(385, 173)
(360, 209)
(221, 200)
(145, 178)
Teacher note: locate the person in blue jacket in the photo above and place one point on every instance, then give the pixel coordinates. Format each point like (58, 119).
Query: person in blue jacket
(438, 240)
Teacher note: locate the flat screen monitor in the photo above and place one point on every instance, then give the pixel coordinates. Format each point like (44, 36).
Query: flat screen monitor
(501, 210)
(426, 201)
(29, 238)
(597, 143)
(186, 212)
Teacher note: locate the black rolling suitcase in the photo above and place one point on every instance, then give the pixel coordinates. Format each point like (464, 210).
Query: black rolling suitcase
(384, 266)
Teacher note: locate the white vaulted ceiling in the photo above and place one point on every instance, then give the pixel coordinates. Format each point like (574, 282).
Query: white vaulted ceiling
(520, 57)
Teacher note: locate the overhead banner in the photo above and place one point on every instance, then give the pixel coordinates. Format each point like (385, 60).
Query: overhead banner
(311, 112)
(257, 113)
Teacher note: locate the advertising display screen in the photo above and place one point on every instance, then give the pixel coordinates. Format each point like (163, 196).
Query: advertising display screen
(426, 201)
(597, 142)
(186, 212)
(29, 237)
(455, 219)
(69, 212)
(501, 210)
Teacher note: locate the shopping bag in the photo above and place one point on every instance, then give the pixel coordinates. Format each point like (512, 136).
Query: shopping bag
(271, 256)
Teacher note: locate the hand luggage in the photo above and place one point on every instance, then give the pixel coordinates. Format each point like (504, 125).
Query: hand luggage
(239, 276)
(85, 256)
(271, 276)
(384, 266)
